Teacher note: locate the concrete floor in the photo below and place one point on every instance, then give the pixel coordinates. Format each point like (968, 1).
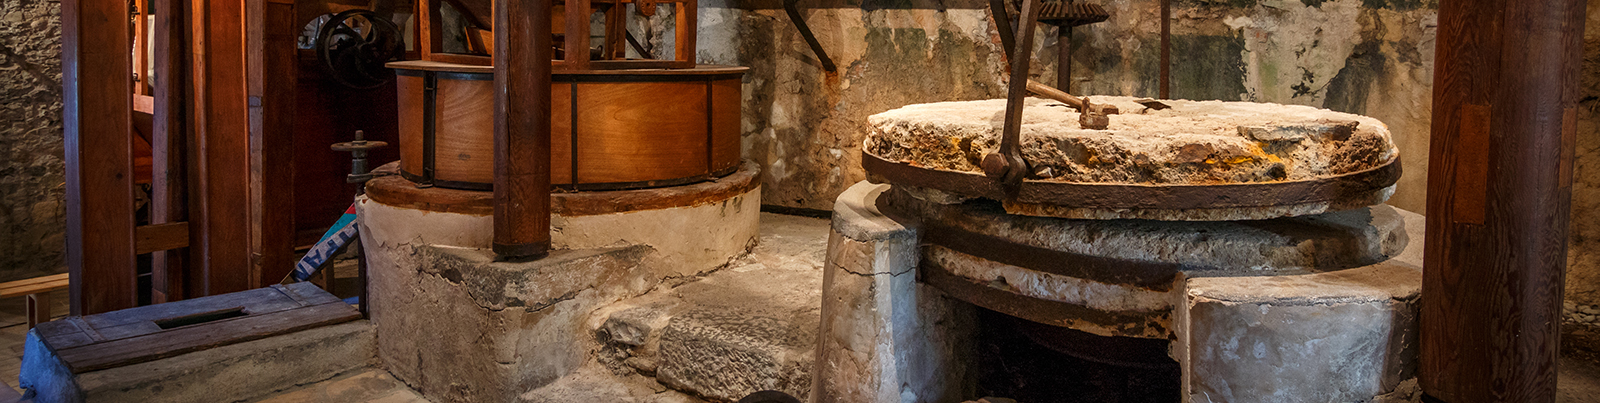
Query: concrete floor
(785, 241)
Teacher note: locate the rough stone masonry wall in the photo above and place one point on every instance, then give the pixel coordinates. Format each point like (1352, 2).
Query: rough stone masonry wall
(32, 173)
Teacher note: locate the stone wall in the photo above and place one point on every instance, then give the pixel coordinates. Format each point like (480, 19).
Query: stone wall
(32, 173)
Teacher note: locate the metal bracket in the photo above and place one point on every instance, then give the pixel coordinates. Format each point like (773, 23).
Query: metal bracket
(430, 110)
(791, 7)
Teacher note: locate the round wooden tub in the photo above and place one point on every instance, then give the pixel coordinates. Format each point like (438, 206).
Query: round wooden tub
(630, 128)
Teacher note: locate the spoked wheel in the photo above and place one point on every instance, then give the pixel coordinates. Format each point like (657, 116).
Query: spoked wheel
(354, 45)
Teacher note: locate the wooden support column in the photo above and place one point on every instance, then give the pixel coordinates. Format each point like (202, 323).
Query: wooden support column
(221, 245)
(272, 61)
(1499, 190)
(170, 143)
(522, 122)
(97, 106)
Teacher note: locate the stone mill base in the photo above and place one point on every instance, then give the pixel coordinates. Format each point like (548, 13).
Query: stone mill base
(1345, 335)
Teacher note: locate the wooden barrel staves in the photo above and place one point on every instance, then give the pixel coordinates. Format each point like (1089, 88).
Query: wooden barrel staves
(610, 129)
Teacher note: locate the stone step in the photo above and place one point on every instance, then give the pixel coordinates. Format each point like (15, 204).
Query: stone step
(743, 329)
(372, 385)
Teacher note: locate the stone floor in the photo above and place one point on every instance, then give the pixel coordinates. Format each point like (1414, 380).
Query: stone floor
(794, 244)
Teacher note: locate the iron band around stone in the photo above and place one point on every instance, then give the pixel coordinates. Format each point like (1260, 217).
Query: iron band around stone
(1134, 196)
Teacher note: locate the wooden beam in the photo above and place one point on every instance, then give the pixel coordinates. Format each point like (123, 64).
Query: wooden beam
(576, 35)
(1499, 191)
(160, 237)
(169, 201)
(522, 124)
(98, 118)
(221, 248)
(273, 59)
(13, 289)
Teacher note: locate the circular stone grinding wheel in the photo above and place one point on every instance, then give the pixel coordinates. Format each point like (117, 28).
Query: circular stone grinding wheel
(1195, 161)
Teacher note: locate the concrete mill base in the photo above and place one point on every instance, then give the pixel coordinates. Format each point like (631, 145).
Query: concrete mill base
(459, 326)
(1256, 333)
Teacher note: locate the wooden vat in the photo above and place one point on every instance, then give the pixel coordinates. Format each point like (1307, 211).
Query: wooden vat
(610, 129)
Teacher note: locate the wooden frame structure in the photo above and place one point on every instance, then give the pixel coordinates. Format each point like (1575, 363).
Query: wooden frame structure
(217, 141)
(571, 17)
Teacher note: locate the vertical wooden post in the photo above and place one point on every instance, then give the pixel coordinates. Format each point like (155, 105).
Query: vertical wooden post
(1499, 189)
(98, 117)
(576, 36)
(272, 62)
(221, 252)
(171, 139)
(522, 121)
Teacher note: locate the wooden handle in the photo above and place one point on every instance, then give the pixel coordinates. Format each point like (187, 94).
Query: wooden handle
(1051, 92)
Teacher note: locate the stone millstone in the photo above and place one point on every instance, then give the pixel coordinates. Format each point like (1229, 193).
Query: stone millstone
(1192, 143)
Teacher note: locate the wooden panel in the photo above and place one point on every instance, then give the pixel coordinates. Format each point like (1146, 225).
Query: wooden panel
(170, 343)
(169, 201)
(465, 150)
(222, 248)
(1471, 179)
(97, 114)
(273, 141)
(561, 133)
(727, 102)
(159, 237)
(612, 147)
(33, 285)
(409, 95)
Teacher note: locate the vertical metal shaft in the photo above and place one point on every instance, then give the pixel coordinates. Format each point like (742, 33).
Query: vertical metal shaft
(1010, 142)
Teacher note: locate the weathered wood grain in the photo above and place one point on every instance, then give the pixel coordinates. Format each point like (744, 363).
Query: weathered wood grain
(1493, 275)
(97, 114)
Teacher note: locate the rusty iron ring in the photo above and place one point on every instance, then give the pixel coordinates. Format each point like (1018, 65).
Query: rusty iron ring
(1132, 196)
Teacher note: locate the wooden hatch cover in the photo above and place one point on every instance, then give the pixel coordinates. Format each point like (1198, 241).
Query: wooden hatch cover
(148, 333)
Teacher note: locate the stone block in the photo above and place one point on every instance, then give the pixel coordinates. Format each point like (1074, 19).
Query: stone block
(885, 337)
(725, 355)
(458, 326)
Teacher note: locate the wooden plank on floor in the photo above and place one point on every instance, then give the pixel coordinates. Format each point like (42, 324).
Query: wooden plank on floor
(98, 120)
(183, 340)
